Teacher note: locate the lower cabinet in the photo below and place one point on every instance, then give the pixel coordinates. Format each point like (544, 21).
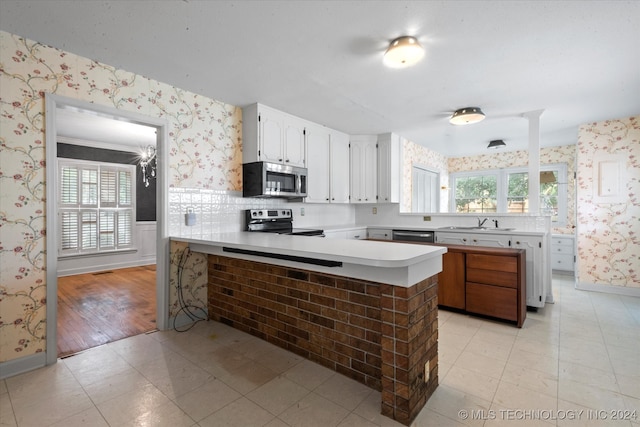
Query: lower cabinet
(495, 286)
(451, 281)
(485, 281)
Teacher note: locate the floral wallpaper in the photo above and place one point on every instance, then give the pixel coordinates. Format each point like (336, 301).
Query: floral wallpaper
(205, 152)
(609, 233)
(548, 155)
(414, 154)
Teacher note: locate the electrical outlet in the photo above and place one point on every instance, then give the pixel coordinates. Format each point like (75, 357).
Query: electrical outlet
(301, 211)
(374, 210)
(426, 218)
(426, 372)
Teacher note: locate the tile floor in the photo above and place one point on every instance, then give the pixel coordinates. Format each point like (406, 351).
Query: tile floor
(571, 363)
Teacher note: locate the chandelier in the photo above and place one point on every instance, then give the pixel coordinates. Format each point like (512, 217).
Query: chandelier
(148, 164)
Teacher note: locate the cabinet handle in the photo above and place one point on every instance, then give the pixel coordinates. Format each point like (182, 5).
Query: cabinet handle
(287, 161)
(475, 240)
(327, 198)
(464, 240)
(333, 198)
(279, 160)
(517, 242)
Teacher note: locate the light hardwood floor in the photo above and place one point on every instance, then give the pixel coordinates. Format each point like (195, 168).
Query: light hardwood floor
(98, 308)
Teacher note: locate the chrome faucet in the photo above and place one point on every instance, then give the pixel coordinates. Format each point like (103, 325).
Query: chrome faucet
(481, 222)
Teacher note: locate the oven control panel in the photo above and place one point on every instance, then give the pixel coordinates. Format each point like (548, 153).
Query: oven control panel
(270, 213)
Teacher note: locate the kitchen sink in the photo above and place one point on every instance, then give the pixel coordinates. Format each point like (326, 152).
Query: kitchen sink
(456, 227)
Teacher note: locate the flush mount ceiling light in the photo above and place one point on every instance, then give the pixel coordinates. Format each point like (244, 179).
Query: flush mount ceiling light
(403, 52)
(496, 143)
(467, 116)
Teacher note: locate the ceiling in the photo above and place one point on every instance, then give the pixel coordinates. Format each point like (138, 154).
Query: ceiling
(322, 60)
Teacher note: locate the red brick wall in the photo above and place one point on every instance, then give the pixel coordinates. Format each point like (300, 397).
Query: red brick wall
(377, 334)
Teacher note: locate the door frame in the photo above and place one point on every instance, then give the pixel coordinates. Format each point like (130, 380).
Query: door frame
(52, 103)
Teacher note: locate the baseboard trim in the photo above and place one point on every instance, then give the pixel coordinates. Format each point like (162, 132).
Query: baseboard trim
(608, 289)
(24, 364)
(104, 267)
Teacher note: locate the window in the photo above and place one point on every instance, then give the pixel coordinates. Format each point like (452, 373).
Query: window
(476, 193)
(507, 191)
(425, 190)
(95, 207)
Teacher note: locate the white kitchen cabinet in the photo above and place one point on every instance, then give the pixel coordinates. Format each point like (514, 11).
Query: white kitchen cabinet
(357, 233)
(473, 239)
(363, 161)
(380, 234)
(319, 169)
(535, 268)
(562, 252)
(389, 172)
(270, 135)
(338, 167)
(328, 170)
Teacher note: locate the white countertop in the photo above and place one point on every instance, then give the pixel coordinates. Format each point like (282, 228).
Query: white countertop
(393, 263)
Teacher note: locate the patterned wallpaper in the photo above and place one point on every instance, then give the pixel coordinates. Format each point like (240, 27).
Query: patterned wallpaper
(548, 155)
(414, 154)
(205, 152)
(609, 233)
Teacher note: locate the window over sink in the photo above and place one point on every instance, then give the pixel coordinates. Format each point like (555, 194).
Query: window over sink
(506, 191)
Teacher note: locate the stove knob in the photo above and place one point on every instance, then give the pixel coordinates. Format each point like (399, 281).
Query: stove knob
(260, 213)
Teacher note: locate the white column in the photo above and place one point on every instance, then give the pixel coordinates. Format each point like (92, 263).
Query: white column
(534, 160)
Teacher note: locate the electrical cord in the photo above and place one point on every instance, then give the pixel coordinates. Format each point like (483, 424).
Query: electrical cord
(184, 307)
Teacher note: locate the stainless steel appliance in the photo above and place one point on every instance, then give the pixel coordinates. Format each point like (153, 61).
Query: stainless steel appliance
(413, 236)
(263, 179)
(278, 221)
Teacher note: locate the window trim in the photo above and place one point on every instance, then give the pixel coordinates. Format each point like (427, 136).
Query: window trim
(502, 186)
(79, 207)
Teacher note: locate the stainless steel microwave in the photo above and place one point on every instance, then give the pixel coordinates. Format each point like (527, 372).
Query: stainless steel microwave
(263, 179)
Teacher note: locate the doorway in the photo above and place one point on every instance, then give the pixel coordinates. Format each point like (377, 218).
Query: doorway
(54, 105)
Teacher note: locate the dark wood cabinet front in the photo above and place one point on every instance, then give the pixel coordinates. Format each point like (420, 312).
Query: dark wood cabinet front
(451, 281)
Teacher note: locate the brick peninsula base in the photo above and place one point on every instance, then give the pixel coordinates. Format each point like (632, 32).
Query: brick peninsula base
(378, 334)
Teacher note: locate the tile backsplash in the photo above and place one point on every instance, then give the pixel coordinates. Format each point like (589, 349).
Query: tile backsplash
(223, 211)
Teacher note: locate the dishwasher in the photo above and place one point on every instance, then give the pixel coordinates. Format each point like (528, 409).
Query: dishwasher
(413, 236)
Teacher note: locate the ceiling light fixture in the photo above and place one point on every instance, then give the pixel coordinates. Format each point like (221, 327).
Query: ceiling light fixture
(403, 52)
(496, 143)
(148, 164)
(467, 116)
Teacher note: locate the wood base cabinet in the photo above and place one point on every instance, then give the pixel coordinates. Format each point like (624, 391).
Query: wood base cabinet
(451, 281)
(495, 285)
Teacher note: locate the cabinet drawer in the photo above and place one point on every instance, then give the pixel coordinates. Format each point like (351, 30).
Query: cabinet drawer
(562, 262)
(493, 262)
(493, 301)
(562, 241)
(568, 250)
(492, 277)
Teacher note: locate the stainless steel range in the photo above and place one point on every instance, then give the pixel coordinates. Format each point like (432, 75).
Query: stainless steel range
(278, 221)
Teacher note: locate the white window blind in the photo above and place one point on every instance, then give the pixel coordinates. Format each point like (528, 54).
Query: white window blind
(95, 207)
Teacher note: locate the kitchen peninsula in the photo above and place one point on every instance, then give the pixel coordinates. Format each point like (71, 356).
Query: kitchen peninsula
(361, 308)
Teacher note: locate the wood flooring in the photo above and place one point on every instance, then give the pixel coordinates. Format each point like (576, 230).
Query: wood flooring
(98, 308)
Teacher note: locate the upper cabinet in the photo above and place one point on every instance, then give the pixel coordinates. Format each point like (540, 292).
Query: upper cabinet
(328, 170)
(389, 168)
(270, 135)
(364, 165)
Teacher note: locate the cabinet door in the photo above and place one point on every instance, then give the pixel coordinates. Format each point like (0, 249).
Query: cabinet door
(379, 234)
(451, 281)
(490, 240)
(451, 238)
(363, 169)
(271, 135)
(339, 167)
(318, 170)
(388, 168)
(293, 144)
(536, 289)
(357, 234)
